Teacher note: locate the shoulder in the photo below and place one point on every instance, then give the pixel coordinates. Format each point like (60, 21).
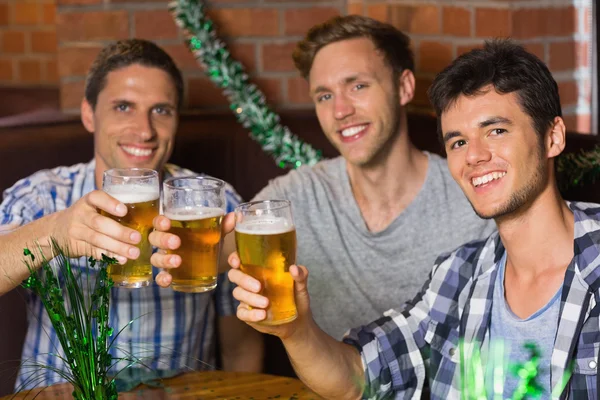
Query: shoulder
(47, 179)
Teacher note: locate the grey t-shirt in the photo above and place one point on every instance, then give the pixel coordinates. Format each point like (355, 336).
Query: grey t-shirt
(356, 275)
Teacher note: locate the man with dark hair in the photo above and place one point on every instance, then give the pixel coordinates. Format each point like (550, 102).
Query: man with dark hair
(536, 279)
(132, 99)
(383, 199)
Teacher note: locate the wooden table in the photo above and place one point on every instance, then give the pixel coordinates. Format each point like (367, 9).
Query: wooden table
(200, 385)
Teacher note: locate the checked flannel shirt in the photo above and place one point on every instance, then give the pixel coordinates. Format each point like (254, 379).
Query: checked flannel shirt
(403, 348)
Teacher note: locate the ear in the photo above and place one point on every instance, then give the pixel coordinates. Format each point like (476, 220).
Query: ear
(87, 116)
(556, 138)
(406, 87)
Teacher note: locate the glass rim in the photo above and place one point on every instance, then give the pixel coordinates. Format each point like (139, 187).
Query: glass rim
(146, 173)
(219, 182)
(279, 204)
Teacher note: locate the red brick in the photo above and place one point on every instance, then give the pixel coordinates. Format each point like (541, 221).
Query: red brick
(75, 61)
(202, 93)
(586, 20)
(355, 9)
(421, 86)
(537, 49)
(182, 56)
(71, 94)
(245, 53)
(77, 2)
(246, 21)
(155, 24)
(43, 42)
(26, 13)
(49, 13)
(457, 21)
(563, 56)
(52, 72)
(578, 123)
(297, 91)
(30, 71)
(568, 93)
(4, 14)
(299, 21)
(462, 49)
(492, 22)
(528, 23)
(379, 12)
(434, 56)
(6, 70)
(416, 19)
(92, 25)
(271, 88)
(583, 54)
(278, 57)
(13, 42)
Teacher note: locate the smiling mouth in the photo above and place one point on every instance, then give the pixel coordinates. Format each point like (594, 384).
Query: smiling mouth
(352, 131)
(482, 180)
(136, 151)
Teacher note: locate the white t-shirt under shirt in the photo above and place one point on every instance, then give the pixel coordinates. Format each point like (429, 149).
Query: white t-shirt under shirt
(356, 275)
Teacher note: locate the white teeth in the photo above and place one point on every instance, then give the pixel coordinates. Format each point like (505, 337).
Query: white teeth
(136, 151)
(353, 131)
(487, 178)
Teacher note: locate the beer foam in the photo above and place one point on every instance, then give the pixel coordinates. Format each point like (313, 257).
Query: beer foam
(129, 194)
(193, 213)
(264, 225)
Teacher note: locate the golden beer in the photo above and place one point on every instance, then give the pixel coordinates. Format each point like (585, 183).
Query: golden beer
(142, 206)
(267, 248)
(199, 229)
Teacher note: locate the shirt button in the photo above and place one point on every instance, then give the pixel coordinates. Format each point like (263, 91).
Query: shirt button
(592, 364)
(453, 350)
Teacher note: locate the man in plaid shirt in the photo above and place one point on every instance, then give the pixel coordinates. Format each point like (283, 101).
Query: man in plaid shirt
(535, 279)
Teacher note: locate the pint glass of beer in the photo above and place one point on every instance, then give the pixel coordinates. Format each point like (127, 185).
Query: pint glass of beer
(265, 237)
(139, 190)
(195, 205)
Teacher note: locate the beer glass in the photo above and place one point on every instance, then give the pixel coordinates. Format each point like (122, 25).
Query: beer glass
(139, 190)
(265, 237)
(195, 205)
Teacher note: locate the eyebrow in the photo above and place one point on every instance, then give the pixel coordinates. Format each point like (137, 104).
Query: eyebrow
(347, 80)
(483, 124)
(131, 103)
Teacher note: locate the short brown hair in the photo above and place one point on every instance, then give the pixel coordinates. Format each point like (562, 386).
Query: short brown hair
(124, 53)
(393, 44)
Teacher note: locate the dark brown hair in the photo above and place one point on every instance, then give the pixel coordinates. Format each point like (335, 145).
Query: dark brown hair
(393, 44)
(124, 53)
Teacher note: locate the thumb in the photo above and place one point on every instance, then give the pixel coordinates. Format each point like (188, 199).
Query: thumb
(300, 275)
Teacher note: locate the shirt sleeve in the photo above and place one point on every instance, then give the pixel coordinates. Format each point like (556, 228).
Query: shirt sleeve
(394, 348)
(21, 204)
(225, 303)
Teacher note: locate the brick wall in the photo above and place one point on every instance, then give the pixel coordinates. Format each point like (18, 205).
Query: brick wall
(262, 33)
(27, 43)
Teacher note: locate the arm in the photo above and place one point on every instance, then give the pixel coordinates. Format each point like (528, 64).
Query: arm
(242, 348)
(79, 228)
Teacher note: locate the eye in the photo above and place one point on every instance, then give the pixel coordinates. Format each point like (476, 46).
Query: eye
(359, 86)
(122, 107)
(323, 98)
(457, 144)
(498, 131)
(162, 111)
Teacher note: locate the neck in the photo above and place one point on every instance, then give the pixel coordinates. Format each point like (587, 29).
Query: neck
(541, 237)
(384, 188)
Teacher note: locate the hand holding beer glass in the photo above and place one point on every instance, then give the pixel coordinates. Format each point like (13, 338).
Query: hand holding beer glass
(195, 206)
(139, 190)
(265, 237)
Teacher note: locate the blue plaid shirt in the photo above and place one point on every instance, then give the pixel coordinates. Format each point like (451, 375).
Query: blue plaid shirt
(174, 330)
(404, 347)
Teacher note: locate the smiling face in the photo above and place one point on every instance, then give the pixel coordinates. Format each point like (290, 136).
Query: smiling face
(357, 101)
(135, 119)
(494, 153)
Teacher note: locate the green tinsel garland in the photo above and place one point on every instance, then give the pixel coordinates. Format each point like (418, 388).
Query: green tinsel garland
(245, 99)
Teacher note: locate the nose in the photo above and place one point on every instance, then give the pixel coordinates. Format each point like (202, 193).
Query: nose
(343, 107)
(477, 152)
(144, 126)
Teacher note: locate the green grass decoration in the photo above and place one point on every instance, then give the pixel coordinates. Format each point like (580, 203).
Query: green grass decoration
(81, 323)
